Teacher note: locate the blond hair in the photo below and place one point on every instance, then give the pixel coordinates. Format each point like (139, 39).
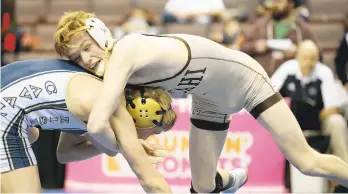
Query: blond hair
(163, 99)
(69, 24)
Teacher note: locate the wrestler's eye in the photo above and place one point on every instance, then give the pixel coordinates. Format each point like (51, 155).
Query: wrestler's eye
(87, 47)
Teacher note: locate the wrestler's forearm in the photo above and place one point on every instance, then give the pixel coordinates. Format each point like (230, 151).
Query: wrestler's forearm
(104, 107)
(114, 82)
(131, 148)
(98, 125)
(82, 151)
(150, 179)
(332, 168)
(156, 186)
(104, 137)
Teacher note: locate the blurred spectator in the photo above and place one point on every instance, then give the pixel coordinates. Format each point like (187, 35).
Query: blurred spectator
(272, 39)
(341, 61)
(29, 42)
(8, 28)
(13, 40)
(197, 11)
(231, 36)
(264, 8)
(26, 42)
(300, 8)
(314, 99)
(137, 21)
(346, 23)
(344, 99)
(241, 13)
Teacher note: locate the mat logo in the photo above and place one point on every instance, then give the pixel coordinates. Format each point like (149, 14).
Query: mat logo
(116, 166)
(177, 164)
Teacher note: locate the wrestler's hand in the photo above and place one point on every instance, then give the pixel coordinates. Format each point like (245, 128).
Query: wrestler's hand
(156, 153)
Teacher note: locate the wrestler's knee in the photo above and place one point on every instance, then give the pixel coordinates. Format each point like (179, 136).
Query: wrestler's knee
(27, 177)
(335, 123)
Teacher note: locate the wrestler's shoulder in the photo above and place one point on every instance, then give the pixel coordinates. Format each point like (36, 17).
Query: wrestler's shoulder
(136, 41)
(129, 39)
(136, 37)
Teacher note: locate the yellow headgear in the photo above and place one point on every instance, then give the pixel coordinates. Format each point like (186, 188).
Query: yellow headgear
(146, 112)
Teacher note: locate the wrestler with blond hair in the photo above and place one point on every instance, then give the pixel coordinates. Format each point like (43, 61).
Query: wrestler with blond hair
(221, 81)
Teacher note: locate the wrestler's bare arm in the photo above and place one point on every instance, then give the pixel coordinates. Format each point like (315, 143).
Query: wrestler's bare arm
(78, 98)
(119, 67)
(123, 128)
(150, 179)
(33, 134)
(73, 148)
(129, 55)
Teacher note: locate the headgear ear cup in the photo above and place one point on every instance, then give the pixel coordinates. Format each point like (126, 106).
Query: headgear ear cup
(102, 35)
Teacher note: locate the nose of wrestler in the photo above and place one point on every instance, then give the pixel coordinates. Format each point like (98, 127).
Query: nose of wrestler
(88, 59)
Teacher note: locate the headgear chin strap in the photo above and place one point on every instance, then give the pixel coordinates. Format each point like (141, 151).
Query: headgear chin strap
(146, 112)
